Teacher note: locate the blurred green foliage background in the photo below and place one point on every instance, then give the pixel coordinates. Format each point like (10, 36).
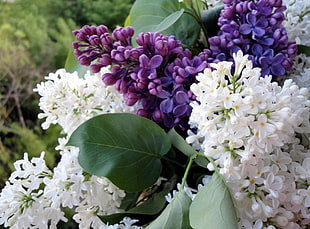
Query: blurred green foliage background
(35, 39)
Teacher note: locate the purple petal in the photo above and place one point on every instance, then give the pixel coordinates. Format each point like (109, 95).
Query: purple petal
(245, 29)
(201, 67)
(259, 31)
(277, 70)
(251, 18)
(262, 22)
(181, 97)
(278, 59)
(152, 74)
(166, 105)
(265, 62)
(265, 71)
(191, 70)
(266, 41)
(163, 94)
(142, 74)
(144, 61)
(180, 110)
(156, 61)
(268, 53)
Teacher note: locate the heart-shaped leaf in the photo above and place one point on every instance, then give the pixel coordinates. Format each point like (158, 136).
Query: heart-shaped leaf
(125, 148)
(175, 215)
(215, 202)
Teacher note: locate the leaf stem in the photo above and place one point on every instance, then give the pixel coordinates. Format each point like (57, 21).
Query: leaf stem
(216, 169)
(189, 165)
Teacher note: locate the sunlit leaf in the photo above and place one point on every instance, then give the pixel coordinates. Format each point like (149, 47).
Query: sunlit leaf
(165, 16)
(168, 21)
(175, 215)
(196, 5)
(125, 148)
(213, 206)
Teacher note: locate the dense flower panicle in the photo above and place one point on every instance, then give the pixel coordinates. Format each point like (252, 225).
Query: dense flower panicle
(22, 204)
(34, 196)
(297, 24)
(301, 71)
(297, 21)
(68, 100)
(250, 126)
(149, 74)
(255, 27)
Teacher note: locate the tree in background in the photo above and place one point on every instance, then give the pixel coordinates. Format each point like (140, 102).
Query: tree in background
(36, 38)
(109, 12)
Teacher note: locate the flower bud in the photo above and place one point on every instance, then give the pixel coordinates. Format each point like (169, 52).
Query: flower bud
(101, 29)
(131, 98)
(108, 79)
(96, 67)
(94, 40)
(105, 59)
(84, 60)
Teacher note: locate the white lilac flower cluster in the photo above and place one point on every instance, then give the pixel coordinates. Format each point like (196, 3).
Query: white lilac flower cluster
(36, 197)
(297, 25)
(253, 129)
(68, 100)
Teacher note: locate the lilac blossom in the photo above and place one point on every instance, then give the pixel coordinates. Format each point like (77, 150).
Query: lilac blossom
(157, 73)
(255, 27)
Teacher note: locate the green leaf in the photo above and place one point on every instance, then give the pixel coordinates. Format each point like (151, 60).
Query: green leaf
(303, 49)
(215, 202)
(127, 21)
(175, 215)
(163, 16)
(168, 21)
(186, 29)
(125, 148)
(179, 143)
(73, 65)
(210, 18)
(196, 5)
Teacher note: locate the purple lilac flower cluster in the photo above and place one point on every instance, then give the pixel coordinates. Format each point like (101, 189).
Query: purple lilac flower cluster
(157, 73)
(255, 28)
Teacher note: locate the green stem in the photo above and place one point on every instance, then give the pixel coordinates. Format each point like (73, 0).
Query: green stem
(189, 165)
(216, 169)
